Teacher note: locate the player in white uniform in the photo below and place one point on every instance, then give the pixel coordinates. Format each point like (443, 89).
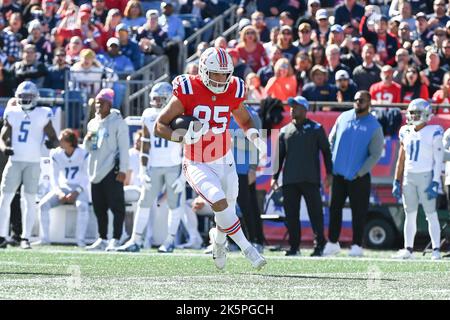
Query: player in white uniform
(21, 138)
(165, 169)
(420, 163)
(69, 181)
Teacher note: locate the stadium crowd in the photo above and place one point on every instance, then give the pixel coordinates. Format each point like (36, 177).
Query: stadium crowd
(323, 50)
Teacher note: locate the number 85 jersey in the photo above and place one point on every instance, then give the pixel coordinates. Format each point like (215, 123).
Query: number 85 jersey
(215, 109)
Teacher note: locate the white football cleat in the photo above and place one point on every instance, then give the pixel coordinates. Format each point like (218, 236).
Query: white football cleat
(331, 249)
(219, 250)
(403, 254)
(113, 244)
(436, 255)
(25, 244)
(41, 242)
(195, 243)
(168, 245)
(355, 251)
(257, 260)
(99, 244)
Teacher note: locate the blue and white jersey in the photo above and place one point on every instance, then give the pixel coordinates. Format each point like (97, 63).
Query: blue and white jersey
(27, 135)
(163, 153)
(71, 170)
(420, 147)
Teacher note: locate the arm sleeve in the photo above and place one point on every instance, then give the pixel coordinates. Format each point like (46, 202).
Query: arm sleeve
(375, 150)
(438, 155)
(123, 145)
(332, 135)
(324, 146)
(281, 155)
(54, 177)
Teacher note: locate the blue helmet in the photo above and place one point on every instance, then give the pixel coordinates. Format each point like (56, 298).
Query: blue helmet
(160, 94)
(419, 111)
(27, 95)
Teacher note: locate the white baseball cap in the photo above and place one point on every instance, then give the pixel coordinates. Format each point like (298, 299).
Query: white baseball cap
(341, 75)
(321, 14)
(112, 41)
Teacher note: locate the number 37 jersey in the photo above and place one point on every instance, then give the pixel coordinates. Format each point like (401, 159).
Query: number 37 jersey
(213, 109)
(420, 147)
(27, 134)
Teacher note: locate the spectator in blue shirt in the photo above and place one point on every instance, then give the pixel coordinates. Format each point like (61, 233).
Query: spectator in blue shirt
(133, 14)
(152, 39)
(319, 89)
(349, 12)
(56, 76)
(129, 47)
(171, 23)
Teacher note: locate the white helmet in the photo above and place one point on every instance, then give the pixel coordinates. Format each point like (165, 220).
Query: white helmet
(419, 111)
(27, 95)
(215, 60)
(160, 95)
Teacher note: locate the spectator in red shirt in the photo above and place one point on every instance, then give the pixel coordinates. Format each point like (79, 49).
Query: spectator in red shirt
(284, 84)
(251, 50)
(412, 86)
(443, 94)
(386, 91)
(118, 4)
(113, 19)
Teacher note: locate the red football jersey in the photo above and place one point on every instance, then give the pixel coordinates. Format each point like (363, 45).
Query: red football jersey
(200, 102)
(387, 94)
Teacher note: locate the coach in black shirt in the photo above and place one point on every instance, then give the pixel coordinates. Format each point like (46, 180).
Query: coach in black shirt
(299, 144)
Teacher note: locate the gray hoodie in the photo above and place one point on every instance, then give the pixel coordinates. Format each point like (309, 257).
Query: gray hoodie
(112, 142)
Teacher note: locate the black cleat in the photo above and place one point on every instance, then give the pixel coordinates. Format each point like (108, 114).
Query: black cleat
(3, 243)
(317, 252)
(292, 253)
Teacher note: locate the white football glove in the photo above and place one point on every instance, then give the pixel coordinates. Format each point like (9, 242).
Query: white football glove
(145, 177)
(193, 136)
(179, 185)
(260, 144)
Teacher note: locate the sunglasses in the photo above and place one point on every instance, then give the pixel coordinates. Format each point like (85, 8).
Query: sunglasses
(286, 32)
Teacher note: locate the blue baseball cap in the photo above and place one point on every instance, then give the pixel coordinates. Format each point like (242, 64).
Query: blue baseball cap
(336, 28)
(122, 26)
(298, 100)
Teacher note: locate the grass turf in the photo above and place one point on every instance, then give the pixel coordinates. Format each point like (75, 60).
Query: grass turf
(59, 272)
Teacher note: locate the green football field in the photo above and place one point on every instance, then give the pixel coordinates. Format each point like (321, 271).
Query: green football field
(61, 272)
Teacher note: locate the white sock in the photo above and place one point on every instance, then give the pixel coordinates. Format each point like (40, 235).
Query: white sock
(44, 223)
(434, 229)
(30, 214)
(82, 220)
(173, 220)
(190, 222)
(228, 224)
(409, 230)
(140, 222)
(5, 212)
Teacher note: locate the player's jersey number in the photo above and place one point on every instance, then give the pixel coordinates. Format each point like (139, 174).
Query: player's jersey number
(24, 130)
(71, 172)
(414, 148)
(160, 143)
(217, 113)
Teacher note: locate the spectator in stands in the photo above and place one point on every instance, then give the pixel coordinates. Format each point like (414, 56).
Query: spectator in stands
(412, 86)
(259, 24)
(302, 141)
(302, 69)
(107, 141)
(251, 50)
(99, 12)
(43, 46)
(129, 47)
(285, 43)
(241, 69)
(334, 62)
(385, 44)
(49, 19)
(438, 18)
(202, 46)
(133, 16)
(368, 72)
(443, 94)
(440, 34)
(422, 31)
(359, 131)
(267, 72)
(283, 84)
(112, 21)
(346, 88)
(319, 89)
(323, 30)
(386, 91)
(90, 33)
(353, 58)
(433, 75)
(402, 61)
(405, 15)
(116, 4)
(11, 46)
(349, 12)
(317, 54)
(256, 92)
(310, 14)
(404, 35)
(15, 24)
(304, 41)
(191, 68)
(88, 75)
(171, 23)
(336, 35)
(56, 75)
(286, 19)
(6, 84)
(444, 54)
(29, 68)
(274, 32)
(269, 8)
(8, 7)
(151, 38)
(73, 50)
(419, 55)
(221, 42)
(392, 28)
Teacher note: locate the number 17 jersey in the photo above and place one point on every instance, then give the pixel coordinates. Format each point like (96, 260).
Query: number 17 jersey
(208, 107)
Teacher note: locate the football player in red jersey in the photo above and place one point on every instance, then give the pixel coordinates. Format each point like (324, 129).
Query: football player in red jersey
(209, 165)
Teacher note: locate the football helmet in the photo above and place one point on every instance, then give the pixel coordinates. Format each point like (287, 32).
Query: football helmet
(160, 95)
(27, 95)
(215, 60)
(419, 111)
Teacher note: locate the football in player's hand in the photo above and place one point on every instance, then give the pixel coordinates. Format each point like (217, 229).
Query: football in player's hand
(181, 124)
